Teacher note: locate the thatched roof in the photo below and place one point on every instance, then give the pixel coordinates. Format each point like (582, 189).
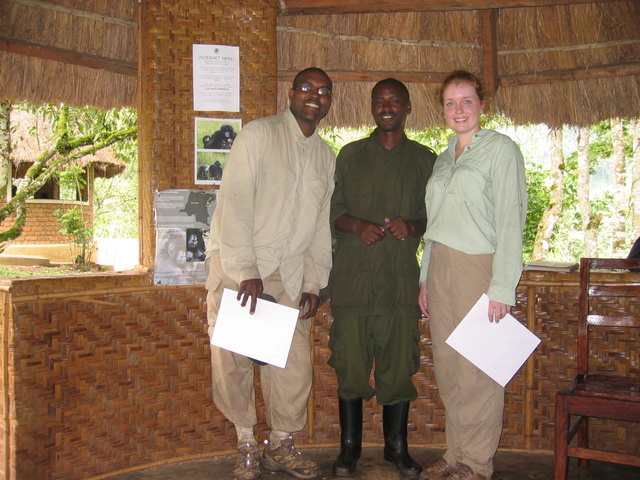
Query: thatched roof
(80, 53)
(31, 135)
(543, 61)
(559, 64)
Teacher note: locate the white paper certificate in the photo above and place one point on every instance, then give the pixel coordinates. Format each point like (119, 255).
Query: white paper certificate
(266, 335)
(498, 349)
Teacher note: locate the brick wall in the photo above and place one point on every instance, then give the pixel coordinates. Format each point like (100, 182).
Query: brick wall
(41, 227)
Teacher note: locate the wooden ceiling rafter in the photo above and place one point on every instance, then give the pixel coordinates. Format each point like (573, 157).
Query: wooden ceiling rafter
(67, 56)
(78, 12)
(327, 7)
(538, 78)
(488, 25)
(355, 76)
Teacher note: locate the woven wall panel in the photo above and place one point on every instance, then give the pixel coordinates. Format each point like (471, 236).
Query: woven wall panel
(168, 31)
(105, 384)
(555, 360)
(108, 373)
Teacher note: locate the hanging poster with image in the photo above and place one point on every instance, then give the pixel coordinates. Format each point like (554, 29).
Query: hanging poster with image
(183, 218)
(213, 140)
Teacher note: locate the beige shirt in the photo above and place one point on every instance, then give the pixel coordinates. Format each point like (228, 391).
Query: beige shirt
(273, 207)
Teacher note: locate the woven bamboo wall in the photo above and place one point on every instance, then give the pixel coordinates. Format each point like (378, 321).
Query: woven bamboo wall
(166, 134)
(109, 373)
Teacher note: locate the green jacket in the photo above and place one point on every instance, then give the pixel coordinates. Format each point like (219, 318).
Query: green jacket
(373, 183)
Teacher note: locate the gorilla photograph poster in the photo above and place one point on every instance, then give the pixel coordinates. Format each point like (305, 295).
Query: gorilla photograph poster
(213, 139)
(183, 219)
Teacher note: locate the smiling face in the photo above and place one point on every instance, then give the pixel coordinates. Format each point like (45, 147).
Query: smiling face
(390, 106)
(462, 107)
(310, 107)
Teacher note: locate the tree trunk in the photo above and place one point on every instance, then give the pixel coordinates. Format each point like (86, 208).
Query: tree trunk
(552, 213)
(5, 156)
(589, 223)
(635, 181)
(5, 146)
(620, 198)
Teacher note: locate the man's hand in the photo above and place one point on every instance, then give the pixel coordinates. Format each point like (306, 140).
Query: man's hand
(368, 232)
(401, 228)
(250, 288)
(398, 227)
(313, 302)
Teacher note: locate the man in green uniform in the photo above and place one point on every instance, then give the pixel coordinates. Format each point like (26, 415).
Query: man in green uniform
(378, 214)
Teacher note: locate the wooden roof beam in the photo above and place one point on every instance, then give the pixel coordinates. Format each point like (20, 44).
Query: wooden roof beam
(516, 80)
(354, 76)
(571, 74)
(488, 25)
(67, 56)
(324, 7)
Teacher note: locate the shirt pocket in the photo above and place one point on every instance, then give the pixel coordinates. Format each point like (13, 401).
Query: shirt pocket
(314, 192)
(354, 192)
(351, 280)
(469, 183)
(412, 197)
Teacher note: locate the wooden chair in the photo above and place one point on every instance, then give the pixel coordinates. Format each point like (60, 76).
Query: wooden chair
(597, 395)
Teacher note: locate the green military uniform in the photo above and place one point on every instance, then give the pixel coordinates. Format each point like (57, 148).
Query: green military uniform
(374, 289)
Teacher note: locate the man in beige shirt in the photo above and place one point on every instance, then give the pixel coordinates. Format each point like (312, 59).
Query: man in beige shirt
(270, 234)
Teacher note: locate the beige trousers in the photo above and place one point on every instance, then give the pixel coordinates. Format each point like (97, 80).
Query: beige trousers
(474, 403)
(285, 390)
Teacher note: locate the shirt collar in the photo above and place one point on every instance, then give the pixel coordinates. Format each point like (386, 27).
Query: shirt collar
(398, 147)
(453, 140)
(293, 126)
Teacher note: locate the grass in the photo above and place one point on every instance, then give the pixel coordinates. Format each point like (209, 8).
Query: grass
(21, 272)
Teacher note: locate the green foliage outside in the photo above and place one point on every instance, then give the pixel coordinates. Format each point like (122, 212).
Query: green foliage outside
(80, 236)
(116, 199)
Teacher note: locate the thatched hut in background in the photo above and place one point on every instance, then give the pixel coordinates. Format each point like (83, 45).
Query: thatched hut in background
(30, 136)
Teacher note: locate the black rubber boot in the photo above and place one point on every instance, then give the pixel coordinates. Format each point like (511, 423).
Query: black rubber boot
(350, 437)
(394, 424)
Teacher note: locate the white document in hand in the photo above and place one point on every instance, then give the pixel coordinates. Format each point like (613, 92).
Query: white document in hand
(498, 349)
(266, 335)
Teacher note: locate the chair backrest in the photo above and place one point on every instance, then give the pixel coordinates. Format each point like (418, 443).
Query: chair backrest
(619, 283)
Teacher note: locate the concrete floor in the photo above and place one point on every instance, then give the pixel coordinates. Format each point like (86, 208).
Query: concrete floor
(372, 466)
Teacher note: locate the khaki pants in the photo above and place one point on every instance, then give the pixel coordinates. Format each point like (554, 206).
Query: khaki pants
(285, 390)
(474, 403)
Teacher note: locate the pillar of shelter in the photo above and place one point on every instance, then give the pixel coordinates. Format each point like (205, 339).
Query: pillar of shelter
(168, 31)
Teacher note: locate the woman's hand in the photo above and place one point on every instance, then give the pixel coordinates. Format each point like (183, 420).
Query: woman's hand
(422, 299)
(497, 311)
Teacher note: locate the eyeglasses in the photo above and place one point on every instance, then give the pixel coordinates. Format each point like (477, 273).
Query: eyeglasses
(323, 91)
